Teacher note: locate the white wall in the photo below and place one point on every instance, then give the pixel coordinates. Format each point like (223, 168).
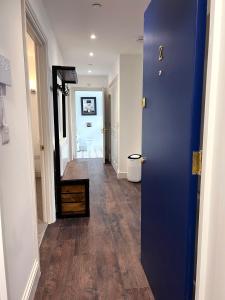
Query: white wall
(126, 113)
(92, 81)
(130, 112)
(211, 250)
(64, 142)
(91, 136)
(114, 71)
(16, 159)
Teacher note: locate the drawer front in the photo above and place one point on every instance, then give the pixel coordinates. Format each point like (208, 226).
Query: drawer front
(78, 197)
(73, 207)
(79, 188)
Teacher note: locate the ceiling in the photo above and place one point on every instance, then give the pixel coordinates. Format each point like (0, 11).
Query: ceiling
(117, 25)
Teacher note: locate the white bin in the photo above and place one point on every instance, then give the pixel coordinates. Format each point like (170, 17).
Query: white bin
(134, 168)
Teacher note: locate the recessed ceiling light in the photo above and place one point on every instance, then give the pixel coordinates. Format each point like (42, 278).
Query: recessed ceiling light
(91, 54)
(89, 71)
(97, 4)
(93, 36)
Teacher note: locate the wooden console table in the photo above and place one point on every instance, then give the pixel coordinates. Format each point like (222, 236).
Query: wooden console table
(74, 191)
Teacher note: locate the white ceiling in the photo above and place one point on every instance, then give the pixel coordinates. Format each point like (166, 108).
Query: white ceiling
(117, 26)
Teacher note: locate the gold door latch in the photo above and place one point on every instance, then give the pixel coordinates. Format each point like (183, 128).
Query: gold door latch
(42, 147)
(197, 163)
(143, 102)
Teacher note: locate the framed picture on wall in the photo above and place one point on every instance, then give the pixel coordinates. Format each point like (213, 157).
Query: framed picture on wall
(88, 106)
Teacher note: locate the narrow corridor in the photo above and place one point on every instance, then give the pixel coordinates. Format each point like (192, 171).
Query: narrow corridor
(97, 258)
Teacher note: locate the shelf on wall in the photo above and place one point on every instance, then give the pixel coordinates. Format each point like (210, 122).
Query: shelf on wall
(66, 74)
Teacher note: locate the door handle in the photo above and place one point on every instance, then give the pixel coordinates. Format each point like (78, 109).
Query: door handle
(104, 130)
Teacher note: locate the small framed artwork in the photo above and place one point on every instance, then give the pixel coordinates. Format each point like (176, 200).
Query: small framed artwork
(88, 106)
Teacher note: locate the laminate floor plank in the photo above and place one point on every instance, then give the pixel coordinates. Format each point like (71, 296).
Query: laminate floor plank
(96, 258)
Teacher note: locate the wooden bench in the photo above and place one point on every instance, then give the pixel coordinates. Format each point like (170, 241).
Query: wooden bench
(74, 190)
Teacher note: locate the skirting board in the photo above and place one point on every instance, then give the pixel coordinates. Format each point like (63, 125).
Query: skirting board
(32, 282)
(122, 175)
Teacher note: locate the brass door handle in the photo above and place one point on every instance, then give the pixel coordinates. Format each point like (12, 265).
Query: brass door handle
(104, 130)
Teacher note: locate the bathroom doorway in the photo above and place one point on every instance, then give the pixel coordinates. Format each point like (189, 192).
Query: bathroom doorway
(34, 99)
(89, 124)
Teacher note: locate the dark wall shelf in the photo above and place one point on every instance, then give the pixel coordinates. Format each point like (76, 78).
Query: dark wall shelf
(66, 74)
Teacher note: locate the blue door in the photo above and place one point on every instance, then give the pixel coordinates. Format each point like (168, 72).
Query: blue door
(173, 81)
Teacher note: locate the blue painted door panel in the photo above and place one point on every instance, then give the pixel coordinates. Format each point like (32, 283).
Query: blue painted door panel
(171, 132)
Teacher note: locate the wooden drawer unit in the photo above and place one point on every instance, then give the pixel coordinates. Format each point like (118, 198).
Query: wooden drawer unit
(74, 200)
(76, 197)
(73, 208)
(77, 188)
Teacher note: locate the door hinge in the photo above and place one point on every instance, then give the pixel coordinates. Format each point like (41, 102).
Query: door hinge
(197, 163)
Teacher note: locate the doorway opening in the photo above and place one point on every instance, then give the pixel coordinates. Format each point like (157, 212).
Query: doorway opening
(40, 122)
(89, 124)
(34, 99)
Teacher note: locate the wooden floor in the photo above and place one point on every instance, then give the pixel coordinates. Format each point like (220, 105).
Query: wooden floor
(97, 258)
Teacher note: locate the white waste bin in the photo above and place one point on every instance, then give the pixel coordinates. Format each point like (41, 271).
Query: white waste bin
(134, 168)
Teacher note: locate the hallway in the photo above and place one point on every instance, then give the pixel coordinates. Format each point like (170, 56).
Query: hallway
(97, 258)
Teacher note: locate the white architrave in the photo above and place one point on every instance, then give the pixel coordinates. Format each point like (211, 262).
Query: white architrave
(31, 23)
(3, 287)
(209, 176)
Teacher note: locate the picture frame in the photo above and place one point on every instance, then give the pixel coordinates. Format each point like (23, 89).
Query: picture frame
(88, 106)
